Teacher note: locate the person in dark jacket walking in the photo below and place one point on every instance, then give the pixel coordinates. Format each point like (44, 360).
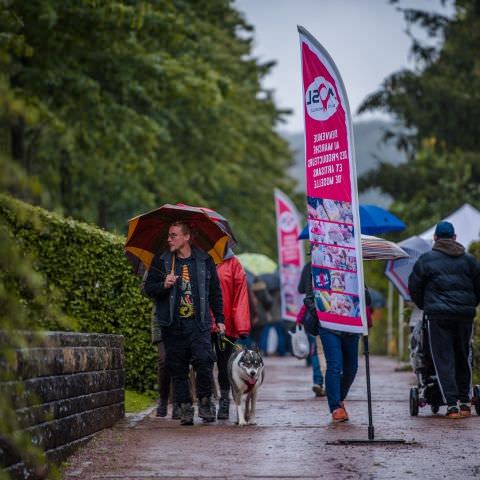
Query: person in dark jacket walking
(317, 356)
(445, 283)
(184, 283)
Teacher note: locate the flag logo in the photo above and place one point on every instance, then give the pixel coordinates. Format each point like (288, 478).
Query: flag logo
(320, 99)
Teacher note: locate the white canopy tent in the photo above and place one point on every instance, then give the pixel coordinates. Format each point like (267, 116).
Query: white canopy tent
(466, 221)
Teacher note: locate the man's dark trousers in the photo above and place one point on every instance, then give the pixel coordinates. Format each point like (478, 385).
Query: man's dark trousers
(450, 344)
(186, 344)
(222, 361)
(163, 373)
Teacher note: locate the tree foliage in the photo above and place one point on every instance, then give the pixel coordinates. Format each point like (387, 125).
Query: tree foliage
(22, 302)
(138, 103)
(438, 107)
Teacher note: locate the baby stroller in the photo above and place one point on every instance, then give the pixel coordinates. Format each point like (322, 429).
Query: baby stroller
(427, 391)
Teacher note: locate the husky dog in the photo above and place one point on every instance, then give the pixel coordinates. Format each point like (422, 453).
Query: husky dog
(245, 372)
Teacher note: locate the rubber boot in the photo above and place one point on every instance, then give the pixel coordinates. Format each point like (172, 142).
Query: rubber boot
(205, 410)
(224, 405)
(176, 411)
(162, 408)
(187, 411)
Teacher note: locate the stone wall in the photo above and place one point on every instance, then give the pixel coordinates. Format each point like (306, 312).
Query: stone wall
(68, 389)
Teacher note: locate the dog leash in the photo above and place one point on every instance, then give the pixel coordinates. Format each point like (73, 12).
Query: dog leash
(221, 343)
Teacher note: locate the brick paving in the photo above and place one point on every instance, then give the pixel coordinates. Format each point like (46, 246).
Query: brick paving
(290, 440)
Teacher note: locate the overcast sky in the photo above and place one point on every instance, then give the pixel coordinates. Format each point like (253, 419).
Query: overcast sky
(366, 39)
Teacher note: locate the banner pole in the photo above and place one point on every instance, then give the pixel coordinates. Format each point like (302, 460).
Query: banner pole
(371, 430)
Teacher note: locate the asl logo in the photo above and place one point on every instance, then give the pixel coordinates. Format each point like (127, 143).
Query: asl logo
(287, 222)
(320, 99)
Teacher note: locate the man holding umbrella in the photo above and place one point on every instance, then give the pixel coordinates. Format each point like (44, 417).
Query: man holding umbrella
(184, 283)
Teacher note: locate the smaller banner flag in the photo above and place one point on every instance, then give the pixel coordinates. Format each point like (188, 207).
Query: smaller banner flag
(290, 254)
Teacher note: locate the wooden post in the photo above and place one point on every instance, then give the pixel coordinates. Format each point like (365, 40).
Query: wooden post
(389, 318)
(401, 326)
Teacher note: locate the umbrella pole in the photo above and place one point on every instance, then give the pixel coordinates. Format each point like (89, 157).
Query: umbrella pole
(371, 431)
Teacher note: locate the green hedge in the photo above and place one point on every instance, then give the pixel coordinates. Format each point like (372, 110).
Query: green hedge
(90, 279)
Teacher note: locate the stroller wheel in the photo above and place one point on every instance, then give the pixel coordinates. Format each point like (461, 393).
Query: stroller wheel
(414, 401)
(434, 408)
(476, 398)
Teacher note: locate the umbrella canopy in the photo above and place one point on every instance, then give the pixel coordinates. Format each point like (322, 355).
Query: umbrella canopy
(375, 220)
(148, 233)
(398, 271)
(375, 248)
(220, 220)
(257, 263)
(272, 280)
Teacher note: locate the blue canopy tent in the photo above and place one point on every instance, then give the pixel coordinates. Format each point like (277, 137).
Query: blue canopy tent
(375, 220)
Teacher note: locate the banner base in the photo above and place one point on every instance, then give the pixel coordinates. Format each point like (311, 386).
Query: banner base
(377, 441)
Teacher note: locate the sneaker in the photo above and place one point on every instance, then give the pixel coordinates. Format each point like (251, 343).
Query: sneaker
(465, 410)
(339, 415)
(452, 412)
(205, 410)
(223, 408)
(162, 408)
(342, 404)
(318, 390)
(176, 411)
(186, 414)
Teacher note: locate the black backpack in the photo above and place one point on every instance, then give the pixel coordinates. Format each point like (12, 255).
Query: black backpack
(310, 322)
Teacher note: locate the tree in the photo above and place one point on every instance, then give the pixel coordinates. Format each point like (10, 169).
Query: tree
(142, 103)
(438, 107)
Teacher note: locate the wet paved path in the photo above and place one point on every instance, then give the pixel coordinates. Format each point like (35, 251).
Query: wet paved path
(289, 441)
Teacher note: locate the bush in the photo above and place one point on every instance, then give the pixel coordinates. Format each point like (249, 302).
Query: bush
(88, 278)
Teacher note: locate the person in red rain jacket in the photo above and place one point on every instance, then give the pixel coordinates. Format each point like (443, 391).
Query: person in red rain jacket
(236, 310)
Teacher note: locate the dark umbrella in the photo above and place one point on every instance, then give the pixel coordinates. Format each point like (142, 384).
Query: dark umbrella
(148, 233)
(219, 219)
(272, 280)
(250, 276)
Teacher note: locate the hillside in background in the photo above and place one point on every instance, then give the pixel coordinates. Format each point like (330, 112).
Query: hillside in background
(369, 149)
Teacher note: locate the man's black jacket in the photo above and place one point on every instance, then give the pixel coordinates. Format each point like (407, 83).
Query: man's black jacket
(445, 282)
(208, 287)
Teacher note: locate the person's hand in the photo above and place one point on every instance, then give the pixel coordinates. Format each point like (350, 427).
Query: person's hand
(170, 280)
(221, 328)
